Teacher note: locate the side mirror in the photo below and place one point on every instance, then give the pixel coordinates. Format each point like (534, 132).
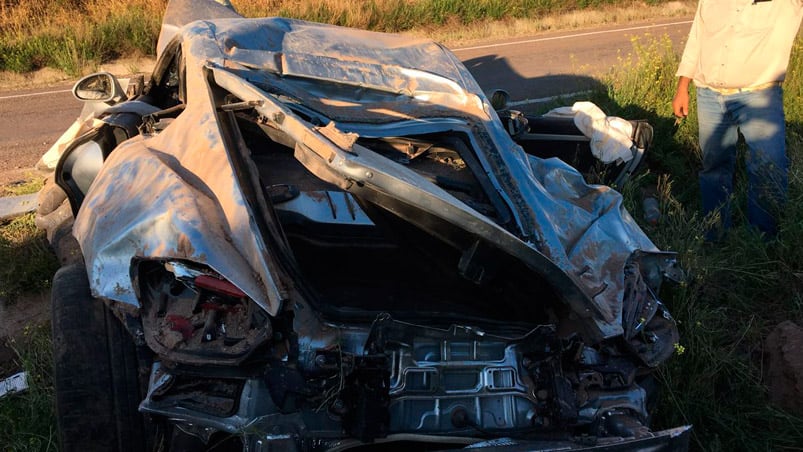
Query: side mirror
(499, 99)
(99, 87)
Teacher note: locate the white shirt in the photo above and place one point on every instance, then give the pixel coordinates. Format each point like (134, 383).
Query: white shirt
(740, 43)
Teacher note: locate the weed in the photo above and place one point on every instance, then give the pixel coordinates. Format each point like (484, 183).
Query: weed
(29, 185)
(735, 292)
(72, 35)
(32, 263)
(27, 419)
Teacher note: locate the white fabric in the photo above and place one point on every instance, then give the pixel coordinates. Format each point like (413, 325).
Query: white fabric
(610, 135)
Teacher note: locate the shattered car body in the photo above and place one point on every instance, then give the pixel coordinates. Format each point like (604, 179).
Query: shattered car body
(321, 238)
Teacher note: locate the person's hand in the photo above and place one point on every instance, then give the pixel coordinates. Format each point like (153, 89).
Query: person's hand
(680, 103)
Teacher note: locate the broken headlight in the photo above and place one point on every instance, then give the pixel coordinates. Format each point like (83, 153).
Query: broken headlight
(192, 315)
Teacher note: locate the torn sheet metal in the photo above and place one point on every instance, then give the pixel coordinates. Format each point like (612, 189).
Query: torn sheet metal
(190, 204)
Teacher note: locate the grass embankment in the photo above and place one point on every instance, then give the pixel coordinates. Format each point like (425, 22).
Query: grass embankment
(27, 420)
(32, 264)
(71, 35)
(76, 36)
(736, 292)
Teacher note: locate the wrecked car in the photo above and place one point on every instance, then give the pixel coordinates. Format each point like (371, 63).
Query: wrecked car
(296, 236)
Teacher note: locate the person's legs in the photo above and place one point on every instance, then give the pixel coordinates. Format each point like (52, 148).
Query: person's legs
(761, 121)
(718, 136)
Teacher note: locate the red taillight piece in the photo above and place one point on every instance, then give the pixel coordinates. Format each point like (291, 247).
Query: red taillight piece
(180, 324)
(218, 286)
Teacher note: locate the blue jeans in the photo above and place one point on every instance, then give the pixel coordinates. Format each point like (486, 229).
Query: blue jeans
(759, 117)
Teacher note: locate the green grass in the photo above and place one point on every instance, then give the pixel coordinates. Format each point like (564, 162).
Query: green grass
(27, 419)
(74, 35)
(29, 264)
(30, 185)
(735, 292)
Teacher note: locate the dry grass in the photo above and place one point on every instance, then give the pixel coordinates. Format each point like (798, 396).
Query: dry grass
(735, 292)
(77, 36)
(453, 31)
(455, 35)
(26, 17)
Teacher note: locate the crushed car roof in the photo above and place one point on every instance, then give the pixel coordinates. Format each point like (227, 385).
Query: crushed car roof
(298, 48)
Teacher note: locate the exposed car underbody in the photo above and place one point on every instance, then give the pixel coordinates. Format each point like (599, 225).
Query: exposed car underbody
(323, 238)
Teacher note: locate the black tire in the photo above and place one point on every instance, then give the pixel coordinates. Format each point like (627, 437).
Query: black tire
(95, 371)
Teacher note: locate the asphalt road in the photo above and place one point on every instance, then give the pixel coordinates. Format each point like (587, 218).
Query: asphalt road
(31, 121)
(530, 69)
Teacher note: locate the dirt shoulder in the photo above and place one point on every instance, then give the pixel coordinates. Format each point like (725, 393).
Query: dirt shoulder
(49, 77)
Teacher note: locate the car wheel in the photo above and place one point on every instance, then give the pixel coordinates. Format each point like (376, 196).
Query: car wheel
(95, 370)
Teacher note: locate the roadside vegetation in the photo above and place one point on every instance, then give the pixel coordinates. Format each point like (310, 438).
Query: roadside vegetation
(76, 36)
(27, 420)
(32, 262)
(28, 262)
(734, 294)
(29, 184)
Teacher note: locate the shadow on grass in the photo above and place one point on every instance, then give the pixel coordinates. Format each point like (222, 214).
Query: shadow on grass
(27, 419)
(28, 262)
(735, 294)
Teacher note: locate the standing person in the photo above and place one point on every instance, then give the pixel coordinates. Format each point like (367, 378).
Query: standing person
(737, 54)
